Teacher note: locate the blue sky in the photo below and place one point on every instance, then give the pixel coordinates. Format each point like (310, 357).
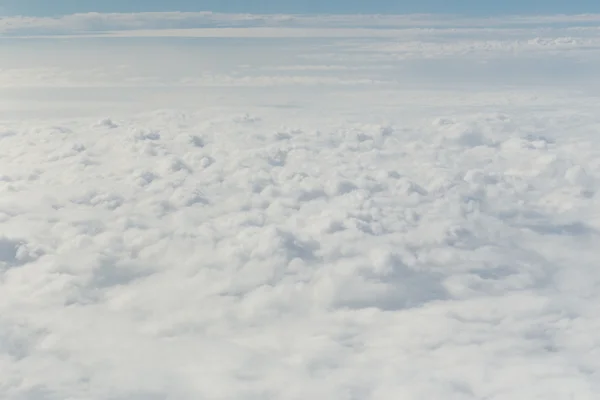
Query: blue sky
(470, 7)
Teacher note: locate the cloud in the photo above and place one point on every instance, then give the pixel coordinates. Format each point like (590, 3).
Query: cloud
(301, 223)
(373, 25)
(566, 46)
(385, 36)
(289, 263)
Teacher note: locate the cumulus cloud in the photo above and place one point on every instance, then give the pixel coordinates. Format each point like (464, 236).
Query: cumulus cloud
(297, 222)
(288, 262)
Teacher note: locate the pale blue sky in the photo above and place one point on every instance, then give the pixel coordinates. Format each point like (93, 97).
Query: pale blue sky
(471, 7)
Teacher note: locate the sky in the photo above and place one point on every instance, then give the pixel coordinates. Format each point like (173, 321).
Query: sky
(466, 7)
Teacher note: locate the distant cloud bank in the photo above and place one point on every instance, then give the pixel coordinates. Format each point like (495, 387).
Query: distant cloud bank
(215, 24)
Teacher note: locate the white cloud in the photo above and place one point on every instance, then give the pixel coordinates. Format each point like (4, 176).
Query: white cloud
(533, 47)
(391, 37)
(371, 25)
(357, 258)
(320, 219)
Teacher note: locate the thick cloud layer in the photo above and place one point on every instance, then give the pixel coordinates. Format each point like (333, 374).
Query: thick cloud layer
(312, 225)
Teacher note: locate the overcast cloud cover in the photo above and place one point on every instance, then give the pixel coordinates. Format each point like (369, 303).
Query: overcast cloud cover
(233, 206)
